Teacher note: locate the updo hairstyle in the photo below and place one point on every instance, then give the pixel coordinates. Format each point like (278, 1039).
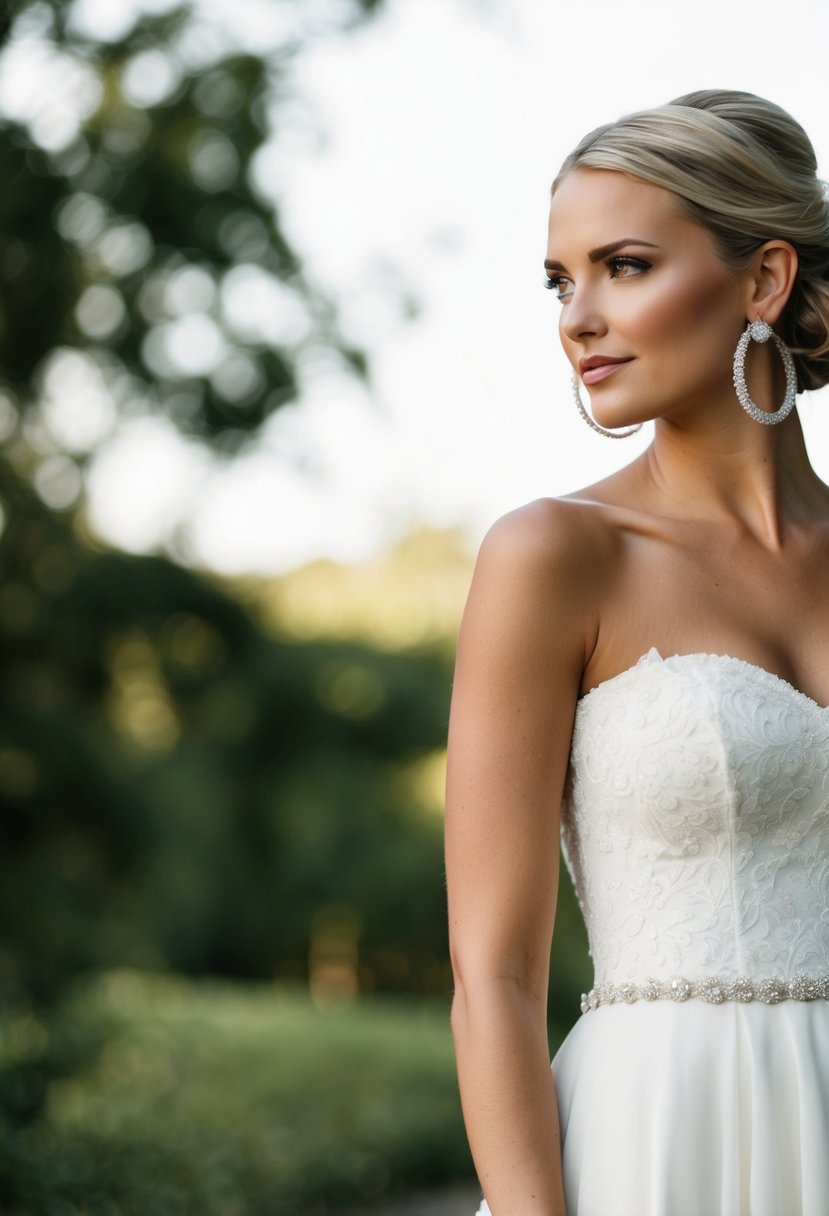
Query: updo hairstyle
(744, 169)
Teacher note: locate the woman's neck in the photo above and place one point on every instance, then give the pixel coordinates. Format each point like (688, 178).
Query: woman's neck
(758, 477)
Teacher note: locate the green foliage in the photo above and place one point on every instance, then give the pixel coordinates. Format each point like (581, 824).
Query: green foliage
(181, 789)
(152, 215)
(213, 1100)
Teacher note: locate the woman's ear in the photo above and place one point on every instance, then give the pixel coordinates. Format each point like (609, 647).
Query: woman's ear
(771, 281)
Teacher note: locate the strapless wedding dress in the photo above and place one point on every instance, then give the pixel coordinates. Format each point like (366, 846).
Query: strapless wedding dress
(696, 830)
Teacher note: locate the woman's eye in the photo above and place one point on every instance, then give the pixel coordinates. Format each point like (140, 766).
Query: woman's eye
(561, 286)
(626, 267)
(620, 267)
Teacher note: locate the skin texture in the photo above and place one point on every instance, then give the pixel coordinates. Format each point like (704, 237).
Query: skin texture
(716, 539)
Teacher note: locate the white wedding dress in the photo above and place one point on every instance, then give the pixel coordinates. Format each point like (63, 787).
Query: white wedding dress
(696, 830)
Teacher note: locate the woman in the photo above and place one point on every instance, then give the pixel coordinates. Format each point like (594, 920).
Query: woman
(651, 655)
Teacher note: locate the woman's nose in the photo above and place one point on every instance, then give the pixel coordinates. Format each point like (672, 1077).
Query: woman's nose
(582, 317)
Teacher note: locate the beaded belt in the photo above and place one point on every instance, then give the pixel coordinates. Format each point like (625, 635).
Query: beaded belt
(711, 989)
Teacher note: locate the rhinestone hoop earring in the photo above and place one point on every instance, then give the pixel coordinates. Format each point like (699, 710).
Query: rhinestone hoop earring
(760, 331)
(591, 422)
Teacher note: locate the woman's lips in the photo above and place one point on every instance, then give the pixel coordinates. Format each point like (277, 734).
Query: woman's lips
(592, 375)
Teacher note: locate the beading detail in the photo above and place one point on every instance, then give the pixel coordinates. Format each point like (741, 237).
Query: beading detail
(711, 989)
(591, 422)
(761, 332)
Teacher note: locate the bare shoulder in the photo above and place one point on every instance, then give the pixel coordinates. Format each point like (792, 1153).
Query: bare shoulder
(565, 545)
(555, 529)
(540, 579)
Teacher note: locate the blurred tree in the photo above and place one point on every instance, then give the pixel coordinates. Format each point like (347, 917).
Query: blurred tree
(182, 790)
(131, 225)
(178, 788)
(133, 230)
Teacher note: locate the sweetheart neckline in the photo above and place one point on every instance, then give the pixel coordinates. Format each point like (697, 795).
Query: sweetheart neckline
(654, 655)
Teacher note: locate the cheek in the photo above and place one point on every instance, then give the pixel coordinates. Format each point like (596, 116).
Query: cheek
(690, 310)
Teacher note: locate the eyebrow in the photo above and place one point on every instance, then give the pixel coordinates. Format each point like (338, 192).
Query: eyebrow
(603, 251)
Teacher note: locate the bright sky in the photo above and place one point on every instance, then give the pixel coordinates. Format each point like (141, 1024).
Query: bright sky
(445, 122)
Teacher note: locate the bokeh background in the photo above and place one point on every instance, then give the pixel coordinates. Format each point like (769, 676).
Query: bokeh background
(274, 352)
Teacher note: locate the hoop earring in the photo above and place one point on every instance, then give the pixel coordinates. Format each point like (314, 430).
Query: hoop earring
(591, 422)
(760, 331)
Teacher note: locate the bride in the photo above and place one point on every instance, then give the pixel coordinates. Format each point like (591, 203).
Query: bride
(642, 668)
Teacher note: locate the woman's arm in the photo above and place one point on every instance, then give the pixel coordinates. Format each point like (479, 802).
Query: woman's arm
(520, 658)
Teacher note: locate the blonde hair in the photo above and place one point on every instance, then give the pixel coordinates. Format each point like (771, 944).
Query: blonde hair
(746, 170)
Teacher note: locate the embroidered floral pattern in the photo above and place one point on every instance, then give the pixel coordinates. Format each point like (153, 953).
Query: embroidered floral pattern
(696, 823)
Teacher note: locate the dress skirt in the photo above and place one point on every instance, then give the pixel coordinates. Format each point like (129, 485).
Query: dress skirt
(691, 1109)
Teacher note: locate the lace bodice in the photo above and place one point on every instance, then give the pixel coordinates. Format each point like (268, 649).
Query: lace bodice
(696, 822)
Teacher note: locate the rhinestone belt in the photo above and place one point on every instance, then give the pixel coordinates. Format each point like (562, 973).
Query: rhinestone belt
(711, 989)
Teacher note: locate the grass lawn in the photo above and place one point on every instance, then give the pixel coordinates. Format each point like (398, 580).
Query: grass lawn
(236, 1100)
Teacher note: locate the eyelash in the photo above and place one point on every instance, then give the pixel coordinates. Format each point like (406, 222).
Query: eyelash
(613, 264)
